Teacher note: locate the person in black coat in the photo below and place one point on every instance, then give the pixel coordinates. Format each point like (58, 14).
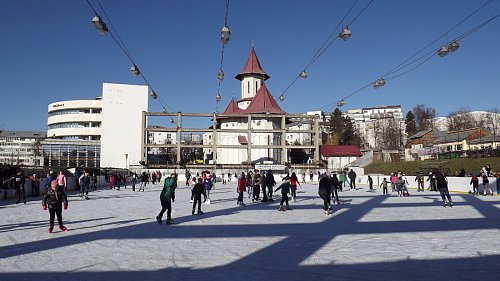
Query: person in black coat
(198, 190)
(19, 182)
(335, 185)
(54, 200)
(324, 191)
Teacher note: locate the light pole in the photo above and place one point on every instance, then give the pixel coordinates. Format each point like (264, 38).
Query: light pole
(126, 161)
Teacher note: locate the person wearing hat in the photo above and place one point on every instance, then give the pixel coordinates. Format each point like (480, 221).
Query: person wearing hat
(54, 200)
(19, 182)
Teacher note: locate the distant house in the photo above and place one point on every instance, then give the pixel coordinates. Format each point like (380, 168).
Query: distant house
(420, 145)
(339, 156)
(458, 141)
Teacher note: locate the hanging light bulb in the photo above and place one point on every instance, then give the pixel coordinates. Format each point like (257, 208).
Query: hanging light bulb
(379, 83)
(220, 75)
(345, 34)
(218, 98)
(340, 103)
(443, 51)
(225, 34)
(153, 94)
(135, 70)
(99, 24)
(303, 74)
(453, 46)
(282, 97)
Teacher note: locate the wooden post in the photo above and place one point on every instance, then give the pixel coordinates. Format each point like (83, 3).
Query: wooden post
(284, 153)
(179, 129)
(316, 139)
(249, 139)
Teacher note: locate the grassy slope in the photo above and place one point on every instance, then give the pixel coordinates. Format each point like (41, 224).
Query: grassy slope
(449, 166)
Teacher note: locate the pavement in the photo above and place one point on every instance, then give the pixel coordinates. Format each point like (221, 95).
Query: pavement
(114, 236)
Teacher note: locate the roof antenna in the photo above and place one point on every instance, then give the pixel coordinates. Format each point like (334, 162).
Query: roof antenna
(252, 44)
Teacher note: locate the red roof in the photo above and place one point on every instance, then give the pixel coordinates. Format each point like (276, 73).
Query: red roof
(232, 108)
(339, 150)
(263, 102)
(242, 140)
(252, 67)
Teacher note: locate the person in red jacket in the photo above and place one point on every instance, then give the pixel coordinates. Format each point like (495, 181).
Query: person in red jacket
(294, 181)
(242, 187)
(54, 200)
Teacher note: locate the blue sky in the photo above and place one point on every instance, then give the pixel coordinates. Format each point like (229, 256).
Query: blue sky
(51, 52)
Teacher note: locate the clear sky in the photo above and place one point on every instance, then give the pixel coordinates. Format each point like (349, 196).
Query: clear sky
(50, 51)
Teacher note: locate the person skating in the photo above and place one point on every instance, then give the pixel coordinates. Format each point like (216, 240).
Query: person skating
(294, 181)
(197, 191)
(144, 181)
(167, 196)
(242, 187)
(285, 190)
(208, 185)
(84, 184)
(384, 186)
(474, 181)
(53, 200)
(370, 183)
(442, 186)
(19, 182)
(257, 180)
(270, 182)
(352, 179)
(324, 191)
(420, 181)
(335, 186)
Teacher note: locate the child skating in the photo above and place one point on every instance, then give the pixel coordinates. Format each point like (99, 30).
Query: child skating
(54, 200)
(285, 190)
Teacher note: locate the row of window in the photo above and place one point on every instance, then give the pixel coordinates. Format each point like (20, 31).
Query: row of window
(75, 125)
(74, 111)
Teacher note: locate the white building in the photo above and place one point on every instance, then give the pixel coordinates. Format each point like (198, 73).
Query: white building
(75, 120)
(121, 139)
(21, 148)
(371, 123)
(255, 99)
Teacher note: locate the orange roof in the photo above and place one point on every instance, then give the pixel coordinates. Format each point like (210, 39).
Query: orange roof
(252, 67)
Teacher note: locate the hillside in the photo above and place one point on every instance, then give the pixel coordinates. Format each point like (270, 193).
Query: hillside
(449, 166)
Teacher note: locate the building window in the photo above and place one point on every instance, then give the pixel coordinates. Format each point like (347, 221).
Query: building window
(248, 87)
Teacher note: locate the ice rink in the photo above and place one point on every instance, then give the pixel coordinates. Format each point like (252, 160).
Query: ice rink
(114, 236)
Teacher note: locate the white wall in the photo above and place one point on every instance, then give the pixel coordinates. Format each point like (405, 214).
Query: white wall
(122, 107)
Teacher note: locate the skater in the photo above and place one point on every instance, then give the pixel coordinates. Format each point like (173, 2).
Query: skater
(167, 196)
(442, 186)
(352, 179)
(250, 184)
(432, 182)
(35, 186)
(324, 191)
(197, 191)
(61, 181)
(19, 182)
(420, 181)
(475, 184)
(93, 182)
(342, 180)
(370, 183)
(54, 200)
(84, 184)
(134, 181)
(303, 177)
(257, 180)
(188, 177)
(242, 187)
(144, 181)
(263, 187)
(335, 186)
(399, 185)
(294, 181)
(285, 190)
(384, 186)
(270, 182)
(208, 185)
(311, 175)
(486, 184)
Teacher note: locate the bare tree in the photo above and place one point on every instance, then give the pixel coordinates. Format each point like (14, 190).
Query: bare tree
(461, 119)
(424, 117)
(391, 138)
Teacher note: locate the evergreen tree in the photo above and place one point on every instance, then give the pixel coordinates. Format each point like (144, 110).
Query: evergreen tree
(341, 130)
(411, 124)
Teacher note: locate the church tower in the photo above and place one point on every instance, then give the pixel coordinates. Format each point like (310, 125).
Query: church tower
(252, 77)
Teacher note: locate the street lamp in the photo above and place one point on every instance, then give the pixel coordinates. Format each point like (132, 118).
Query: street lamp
(99, 24)
(135, 70)
(345, 34)
(225, 34)
(303, 75)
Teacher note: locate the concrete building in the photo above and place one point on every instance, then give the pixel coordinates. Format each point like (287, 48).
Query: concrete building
(75, 120)
(121, 139)
(21, 148)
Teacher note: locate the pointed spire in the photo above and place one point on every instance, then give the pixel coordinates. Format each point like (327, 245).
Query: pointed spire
(263, 102)
(232, 108)
(252, 67)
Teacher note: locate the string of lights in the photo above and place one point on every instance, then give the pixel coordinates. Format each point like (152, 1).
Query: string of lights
(103, 29)
(345, 34)
(225, 36)
(409, 65)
